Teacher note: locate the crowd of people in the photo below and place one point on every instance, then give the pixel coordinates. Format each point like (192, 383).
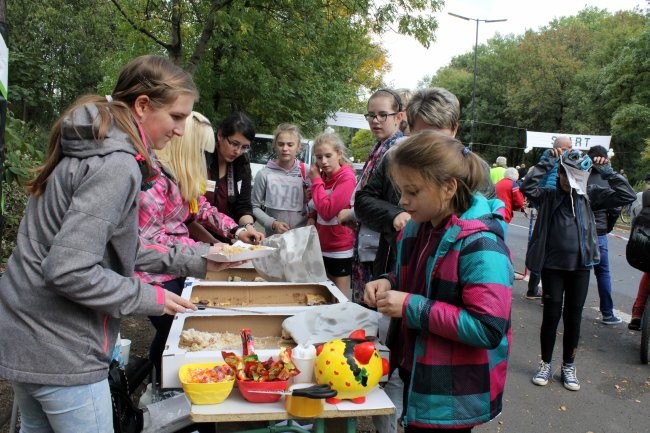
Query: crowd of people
(137, 188)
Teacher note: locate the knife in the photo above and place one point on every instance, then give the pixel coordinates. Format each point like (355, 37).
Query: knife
(313, 392)
(201, 307)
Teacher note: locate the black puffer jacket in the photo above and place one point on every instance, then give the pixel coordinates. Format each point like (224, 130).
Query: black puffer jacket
(603, 216)
(376, 205)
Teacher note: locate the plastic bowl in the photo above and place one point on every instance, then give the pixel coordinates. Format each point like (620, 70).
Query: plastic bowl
(246, 386)
(204, 393)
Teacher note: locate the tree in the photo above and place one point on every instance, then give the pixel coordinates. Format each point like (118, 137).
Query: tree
(279, 60)
(57, 54)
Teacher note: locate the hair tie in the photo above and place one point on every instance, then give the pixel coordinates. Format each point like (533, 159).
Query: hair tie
(109, 98)
(466, 150)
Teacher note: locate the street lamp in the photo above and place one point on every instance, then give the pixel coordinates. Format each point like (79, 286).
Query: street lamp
(471, 133)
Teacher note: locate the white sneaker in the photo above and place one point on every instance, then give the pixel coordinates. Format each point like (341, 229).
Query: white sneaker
(569, 378)
(543, 374)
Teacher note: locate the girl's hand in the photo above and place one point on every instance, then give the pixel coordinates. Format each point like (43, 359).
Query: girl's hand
(280, 226)
(372, 289)
(175, 304)
(390, 303)
(399, 222)
(346, 218)
(314, 171)
(556, 152)
(220, 266)
(251, 235)
(600, 160)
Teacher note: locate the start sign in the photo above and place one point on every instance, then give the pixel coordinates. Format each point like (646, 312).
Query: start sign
(580, 142)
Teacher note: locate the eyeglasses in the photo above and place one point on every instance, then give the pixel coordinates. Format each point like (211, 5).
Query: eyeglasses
(381, 116)
(240, 146)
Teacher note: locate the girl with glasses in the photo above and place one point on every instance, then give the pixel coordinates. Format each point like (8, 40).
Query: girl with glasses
(229, 170)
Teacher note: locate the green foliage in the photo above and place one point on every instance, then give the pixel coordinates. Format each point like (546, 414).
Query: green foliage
(362, 143)
(23, 147)
(586, 74)
(23, 150)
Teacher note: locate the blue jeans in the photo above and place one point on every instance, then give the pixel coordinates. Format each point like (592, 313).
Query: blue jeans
(64, 409)
(604, 279)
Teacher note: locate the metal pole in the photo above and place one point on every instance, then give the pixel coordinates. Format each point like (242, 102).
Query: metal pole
(471, 131)
(473, 120)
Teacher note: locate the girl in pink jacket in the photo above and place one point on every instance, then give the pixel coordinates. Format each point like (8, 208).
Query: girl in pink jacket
(332, 185)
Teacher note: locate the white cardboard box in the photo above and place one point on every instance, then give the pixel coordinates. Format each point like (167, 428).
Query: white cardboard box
(264, 297)
(260, 306)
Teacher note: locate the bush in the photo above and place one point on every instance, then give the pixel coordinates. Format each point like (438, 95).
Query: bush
(24, 151)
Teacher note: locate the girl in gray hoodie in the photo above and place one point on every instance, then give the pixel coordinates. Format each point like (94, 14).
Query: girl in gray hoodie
(69, 280)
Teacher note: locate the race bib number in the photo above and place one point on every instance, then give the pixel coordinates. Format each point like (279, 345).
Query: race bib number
(284, 193)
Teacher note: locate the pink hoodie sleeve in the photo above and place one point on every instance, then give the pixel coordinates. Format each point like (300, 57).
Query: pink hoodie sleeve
(210, 218)
(153, 222)
(328, 206)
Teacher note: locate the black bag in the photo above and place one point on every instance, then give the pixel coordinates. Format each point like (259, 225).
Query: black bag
(127, 417)
(637, 251)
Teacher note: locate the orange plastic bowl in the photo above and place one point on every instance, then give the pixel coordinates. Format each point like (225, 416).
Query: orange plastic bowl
(246, 386)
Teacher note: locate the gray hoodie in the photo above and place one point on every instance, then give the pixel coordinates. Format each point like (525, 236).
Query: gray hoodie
(69, 280)
(278, 194)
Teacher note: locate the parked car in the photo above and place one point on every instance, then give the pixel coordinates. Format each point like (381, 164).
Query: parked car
(262, 150)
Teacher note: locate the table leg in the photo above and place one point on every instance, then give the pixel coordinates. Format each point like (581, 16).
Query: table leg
(351, 424)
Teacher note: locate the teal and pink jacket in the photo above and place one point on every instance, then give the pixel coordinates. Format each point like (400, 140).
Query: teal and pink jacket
(461, 328)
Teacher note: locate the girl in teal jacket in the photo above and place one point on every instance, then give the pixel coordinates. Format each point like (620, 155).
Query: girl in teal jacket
(450, 295)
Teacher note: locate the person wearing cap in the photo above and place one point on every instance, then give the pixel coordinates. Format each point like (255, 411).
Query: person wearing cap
(605, 220)
(564, 247)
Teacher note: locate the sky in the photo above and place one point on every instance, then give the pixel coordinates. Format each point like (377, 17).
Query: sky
(410, 61)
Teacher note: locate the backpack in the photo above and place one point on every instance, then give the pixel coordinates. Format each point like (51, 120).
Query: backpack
(127, 417)
(637, 251)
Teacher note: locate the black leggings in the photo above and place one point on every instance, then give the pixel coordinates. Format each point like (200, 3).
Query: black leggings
(572, 286)
(163, 324)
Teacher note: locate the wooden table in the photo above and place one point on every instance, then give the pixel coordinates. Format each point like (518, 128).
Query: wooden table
(236, 409)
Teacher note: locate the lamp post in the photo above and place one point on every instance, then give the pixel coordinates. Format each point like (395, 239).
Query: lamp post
(471, 133)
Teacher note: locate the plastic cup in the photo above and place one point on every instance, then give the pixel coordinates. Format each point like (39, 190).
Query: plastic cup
(125, 349)
(306, 367)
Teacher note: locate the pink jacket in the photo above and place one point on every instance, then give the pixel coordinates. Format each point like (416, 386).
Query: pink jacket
(333, 236)
(162, 216)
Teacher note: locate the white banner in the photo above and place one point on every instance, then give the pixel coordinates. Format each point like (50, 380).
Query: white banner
(349, 120)
(581, 142)
(4, 67)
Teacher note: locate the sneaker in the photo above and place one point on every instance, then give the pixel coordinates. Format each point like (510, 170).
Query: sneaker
(569, 378)
(635, 324)
(534, 295)
(611, 320)
(543, 374)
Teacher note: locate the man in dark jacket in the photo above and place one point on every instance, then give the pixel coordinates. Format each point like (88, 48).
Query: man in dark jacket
(605, 219)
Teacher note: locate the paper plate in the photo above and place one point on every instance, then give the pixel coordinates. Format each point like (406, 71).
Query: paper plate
(240, 251)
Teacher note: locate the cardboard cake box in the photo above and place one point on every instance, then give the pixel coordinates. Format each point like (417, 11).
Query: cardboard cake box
(237, 297)
(240, 273)
(261, 325)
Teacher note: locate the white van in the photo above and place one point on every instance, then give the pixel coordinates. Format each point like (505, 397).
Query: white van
(262, 150)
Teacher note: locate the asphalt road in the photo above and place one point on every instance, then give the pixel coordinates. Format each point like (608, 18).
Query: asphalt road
(615, 393)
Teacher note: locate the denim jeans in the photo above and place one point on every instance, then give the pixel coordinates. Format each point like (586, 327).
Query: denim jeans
(64, 409)
(604, 279)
